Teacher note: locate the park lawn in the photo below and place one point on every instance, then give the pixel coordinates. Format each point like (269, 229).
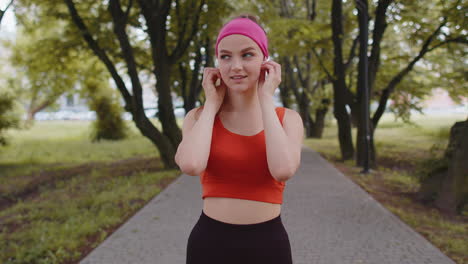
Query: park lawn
(41, 148)
(401, 148)
(81, 191)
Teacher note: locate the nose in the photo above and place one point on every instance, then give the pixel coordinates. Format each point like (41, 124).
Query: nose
(236, 64)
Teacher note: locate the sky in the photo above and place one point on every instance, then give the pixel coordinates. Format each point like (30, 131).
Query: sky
(7, 25)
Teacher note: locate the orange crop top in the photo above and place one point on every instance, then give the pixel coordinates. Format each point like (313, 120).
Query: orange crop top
(237, 166)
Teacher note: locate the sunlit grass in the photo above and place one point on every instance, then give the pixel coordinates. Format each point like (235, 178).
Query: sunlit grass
(59, 143)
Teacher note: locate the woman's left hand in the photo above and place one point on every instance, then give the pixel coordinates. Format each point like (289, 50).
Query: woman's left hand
(267, 85)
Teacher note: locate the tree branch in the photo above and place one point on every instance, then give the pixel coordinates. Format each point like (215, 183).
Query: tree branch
(119, 29)
(377, 35)
(100, 53)
(400, 75)
(127, 12)
(322, 65)
(302, 80)
(352, 52)
(2, 12)
(182, 45)
(459, 39)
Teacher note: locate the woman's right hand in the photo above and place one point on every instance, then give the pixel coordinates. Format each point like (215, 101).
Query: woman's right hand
(214, 94)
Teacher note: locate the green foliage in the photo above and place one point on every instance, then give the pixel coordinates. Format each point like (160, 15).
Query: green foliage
(442, 66)
(109, 123)
(45, 63)
(102, 99)
(9, 117)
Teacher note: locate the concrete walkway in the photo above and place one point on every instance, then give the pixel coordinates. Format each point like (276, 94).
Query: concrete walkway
(329, 219)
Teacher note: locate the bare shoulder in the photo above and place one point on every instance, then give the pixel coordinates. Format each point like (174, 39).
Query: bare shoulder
(195, 113)
(293, 124)
(292, 117)
(190, 119)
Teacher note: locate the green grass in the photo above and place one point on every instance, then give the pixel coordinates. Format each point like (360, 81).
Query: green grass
(54, 225)
(77, 212)
(42, 145)
(401, 148)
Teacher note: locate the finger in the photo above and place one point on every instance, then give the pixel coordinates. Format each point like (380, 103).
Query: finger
(261, 78)
(276, 69)
(269, 69)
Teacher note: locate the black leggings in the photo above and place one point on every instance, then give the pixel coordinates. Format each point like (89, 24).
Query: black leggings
(212, 241)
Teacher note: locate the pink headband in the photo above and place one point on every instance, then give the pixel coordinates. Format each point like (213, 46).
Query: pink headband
(246, 27)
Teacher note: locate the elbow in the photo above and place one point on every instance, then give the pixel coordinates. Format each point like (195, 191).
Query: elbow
(192, 171)
(189, 167)
(285, 173)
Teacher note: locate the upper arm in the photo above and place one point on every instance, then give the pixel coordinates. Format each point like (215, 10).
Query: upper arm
(294, 129)
(190, 119)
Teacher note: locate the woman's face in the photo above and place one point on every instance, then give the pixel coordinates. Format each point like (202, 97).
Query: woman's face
(239, 56)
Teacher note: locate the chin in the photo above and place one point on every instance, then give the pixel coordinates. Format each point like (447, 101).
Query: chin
(241, 87)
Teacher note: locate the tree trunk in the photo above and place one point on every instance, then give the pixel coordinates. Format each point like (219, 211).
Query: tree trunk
(195, 86)
(34, 109)
(339, 85)
(165, 107)
(453, 193)
(365, 134)
(447, 184)
(166, 149)
(360, 153)
(319, 124)
(304, 110)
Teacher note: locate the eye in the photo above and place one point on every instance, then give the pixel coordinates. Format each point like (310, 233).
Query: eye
(222, 56)
(251, 54)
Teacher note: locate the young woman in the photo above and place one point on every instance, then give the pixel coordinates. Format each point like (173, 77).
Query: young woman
(244, 149)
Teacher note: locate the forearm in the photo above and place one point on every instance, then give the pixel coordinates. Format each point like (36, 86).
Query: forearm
(280, 160)
(194, 150)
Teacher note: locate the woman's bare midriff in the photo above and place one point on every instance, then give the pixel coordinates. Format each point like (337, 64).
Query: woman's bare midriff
(239, 211)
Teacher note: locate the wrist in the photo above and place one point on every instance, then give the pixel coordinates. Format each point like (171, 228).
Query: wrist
(211, 106)
(265, 97)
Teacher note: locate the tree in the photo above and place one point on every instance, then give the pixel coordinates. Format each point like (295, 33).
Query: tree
(165, 52)
(50, 66)
(188, 79)
(429, 36)
(9, 117)
(364, 138)
(340, 90)
(412, 36)
(47, 65)
(109, 123)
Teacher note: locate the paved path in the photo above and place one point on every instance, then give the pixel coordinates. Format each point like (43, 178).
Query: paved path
(329, 219)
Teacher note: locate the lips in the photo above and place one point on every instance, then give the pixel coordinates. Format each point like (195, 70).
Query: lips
(238, 77)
